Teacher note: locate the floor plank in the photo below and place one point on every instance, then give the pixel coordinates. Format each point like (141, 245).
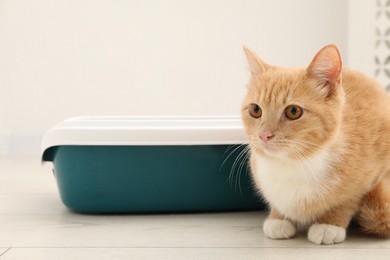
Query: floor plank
(181, 230)
(36, 225)
(67, 229)
(3, 251)
(194, 253)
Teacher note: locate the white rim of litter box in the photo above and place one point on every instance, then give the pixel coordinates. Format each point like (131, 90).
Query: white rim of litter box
(122, 130)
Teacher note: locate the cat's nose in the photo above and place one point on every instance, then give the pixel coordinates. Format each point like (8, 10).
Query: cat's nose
(266, 136)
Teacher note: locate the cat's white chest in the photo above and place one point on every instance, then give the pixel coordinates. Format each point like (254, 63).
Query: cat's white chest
(291, 185)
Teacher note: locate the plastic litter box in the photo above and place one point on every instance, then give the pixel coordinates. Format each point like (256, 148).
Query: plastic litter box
(150, 164)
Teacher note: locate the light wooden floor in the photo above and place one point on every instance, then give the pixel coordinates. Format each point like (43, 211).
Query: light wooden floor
(35, 225)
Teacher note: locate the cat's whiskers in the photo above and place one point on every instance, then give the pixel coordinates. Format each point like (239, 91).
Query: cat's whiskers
(302, 142)
(230, 153)
(304, 148)
(234, 178)
(240, 169)
(238, 164)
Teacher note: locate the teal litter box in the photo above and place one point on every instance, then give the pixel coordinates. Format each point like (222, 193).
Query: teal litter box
(151, 165)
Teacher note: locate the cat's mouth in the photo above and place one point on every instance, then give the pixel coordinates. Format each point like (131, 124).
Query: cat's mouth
(283, 148)
(271, 149)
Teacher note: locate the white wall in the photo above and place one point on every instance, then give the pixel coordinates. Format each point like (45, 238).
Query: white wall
(361, 32)
(68, 58)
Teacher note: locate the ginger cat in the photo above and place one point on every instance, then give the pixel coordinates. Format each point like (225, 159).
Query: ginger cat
(319, 147)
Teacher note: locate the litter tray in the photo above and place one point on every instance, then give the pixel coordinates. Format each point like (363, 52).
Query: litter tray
(145, 164)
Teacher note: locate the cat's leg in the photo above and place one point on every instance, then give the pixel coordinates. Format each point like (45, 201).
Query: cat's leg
(277, 227)
(331, 227)
(374, 214)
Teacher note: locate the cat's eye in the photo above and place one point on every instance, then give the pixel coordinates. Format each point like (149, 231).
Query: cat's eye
(255, 111)
(293, 112)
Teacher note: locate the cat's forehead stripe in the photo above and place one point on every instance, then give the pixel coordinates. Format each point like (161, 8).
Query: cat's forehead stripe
(277, 89)
(274, 92)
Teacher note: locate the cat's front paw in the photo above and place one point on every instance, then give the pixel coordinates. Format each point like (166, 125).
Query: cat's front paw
(279, 229)
(326, 234)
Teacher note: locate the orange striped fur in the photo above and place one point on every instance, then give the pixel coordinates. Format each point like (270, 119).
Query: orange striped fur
(331, 164)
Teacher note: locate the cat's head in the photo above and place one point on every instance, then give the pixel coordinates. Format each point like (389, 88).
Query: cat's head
(293, 113)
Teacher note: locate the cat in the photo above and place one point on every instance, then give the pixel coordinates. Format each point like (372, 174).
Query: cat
(319, 143)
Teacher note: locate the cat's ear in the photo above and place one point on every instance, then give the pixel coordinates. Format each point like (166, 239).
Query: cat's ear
(256, 65)
(325, 68)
